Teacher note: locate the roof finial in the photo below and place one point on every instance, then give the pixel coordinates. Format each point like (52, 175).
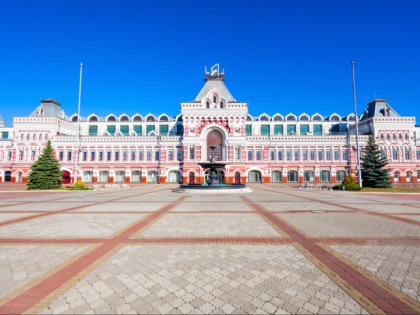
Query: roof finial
(214, 72)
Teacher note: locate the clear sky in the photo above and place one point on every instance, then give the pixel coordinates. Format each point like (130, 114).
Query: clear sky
(148, 56)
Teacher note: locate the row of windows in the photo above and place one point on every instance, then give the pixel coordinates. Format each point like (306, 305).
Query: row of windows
(298, 155)
(395, 154)
(265, 130)
(100, 156)
(394, 137)
(113, 118)
(138, 129)
(34, 137)
(293, 176)
(303, 117)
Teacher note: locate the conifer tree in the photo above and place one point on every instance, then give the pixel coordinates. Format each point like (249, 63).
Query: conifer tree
(373, 172)
(45, 172)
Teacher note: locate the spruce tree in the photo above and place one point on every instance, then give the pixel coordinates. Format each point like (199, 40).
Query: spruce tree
(45, 172)
(373, 172)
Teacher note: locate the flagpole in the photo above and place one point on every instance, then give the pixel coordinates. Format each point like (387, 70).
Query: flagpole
(359, 171)
(76, 158)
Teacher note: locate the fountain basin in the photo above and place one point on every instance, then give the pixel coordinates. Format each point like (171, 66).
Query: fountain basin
(218, 188)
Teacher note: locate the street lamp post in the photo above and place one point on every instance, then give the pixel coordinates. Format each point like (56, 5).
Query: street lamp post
(359, 171)
(158, 167)
(76, 158)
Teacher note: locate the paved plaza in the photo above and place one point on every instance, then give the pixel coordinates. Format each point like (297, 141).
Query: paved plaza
(153, 250)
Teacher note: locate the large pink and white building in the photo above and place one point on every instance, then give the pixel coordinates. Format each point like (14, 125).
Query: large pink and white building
(131, 148)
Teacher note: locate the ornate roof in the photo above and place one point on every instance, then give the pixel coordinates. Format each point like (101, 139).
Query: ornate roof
(379, 108)
(215, 84)
(48, 108)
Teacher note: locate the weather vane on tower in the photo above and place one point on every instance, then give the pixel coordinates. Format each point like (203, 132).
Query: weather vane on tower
(214, 72)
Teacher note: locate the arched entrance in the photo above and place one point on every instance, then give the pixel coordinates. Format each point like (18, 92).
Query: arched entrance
(254, 177)
(237, 178)
(103, 176)
(65, 175)
(136, 177)
(18, 177)
(87, 176)
(214, 138)
(309, 176)
(120, 177)
(152, 177)
(191, 178)
(174, 177)
(276, 176)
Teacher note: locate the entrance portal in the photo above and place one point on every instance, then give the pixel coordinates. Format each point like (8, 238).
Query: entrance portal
(66, 177)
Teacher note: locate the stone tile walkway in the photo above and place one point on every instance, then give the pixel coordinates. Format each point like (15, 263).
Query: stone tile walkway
(147, 250)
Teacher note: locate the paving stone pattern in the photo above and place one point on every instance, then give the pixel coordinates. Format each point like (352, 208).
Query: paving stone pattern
(149, 250)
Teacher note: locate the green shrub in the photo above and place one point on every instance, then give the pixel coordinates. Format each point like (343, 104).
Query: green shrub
(349, 181)
(80, 185)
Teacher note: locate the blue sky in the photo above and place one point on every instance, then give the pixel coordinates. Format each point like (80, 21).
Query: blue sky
(148, 56)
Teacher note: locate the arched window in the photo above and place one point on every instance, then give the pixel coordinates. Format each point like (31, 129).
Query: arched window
(276, 176)
(291, 118)
(163, 118)
(406, 137)
(87, 176)
(278, 118)
(74, 119)
(325, 176)
(388, 137)
(382, 137)
(103, 176)
(150, 119)
(46, 136)
(174, 177)
(309, 176)
(40, 136)
(317, 118)
(396, 177)
(394, 137)
(304, 118)
(335, 118)
(18, 177)
(152, 177)
(93, 119)
(214, 139)
(340, 176)
(22, 136)
(136, 177)
(120, 177)
(292, 176)
(111, 118)
(248, 118)
(222, 104)
(214, 99)
(400, 137)
(264, 118)
(137, 118)
(28, 137)
(34, 136)
(409, 177)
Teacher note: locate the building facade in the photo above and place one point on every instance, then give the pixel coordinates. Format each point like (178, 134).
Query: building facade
(148, 149)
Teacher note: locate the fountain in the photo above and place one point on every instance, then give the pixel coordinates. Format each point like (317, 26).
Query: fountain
(213, 181)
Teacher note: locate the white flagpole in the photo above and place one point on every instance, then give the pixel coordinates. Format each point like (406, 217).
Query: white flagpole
(359, 171)
(76, 157)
